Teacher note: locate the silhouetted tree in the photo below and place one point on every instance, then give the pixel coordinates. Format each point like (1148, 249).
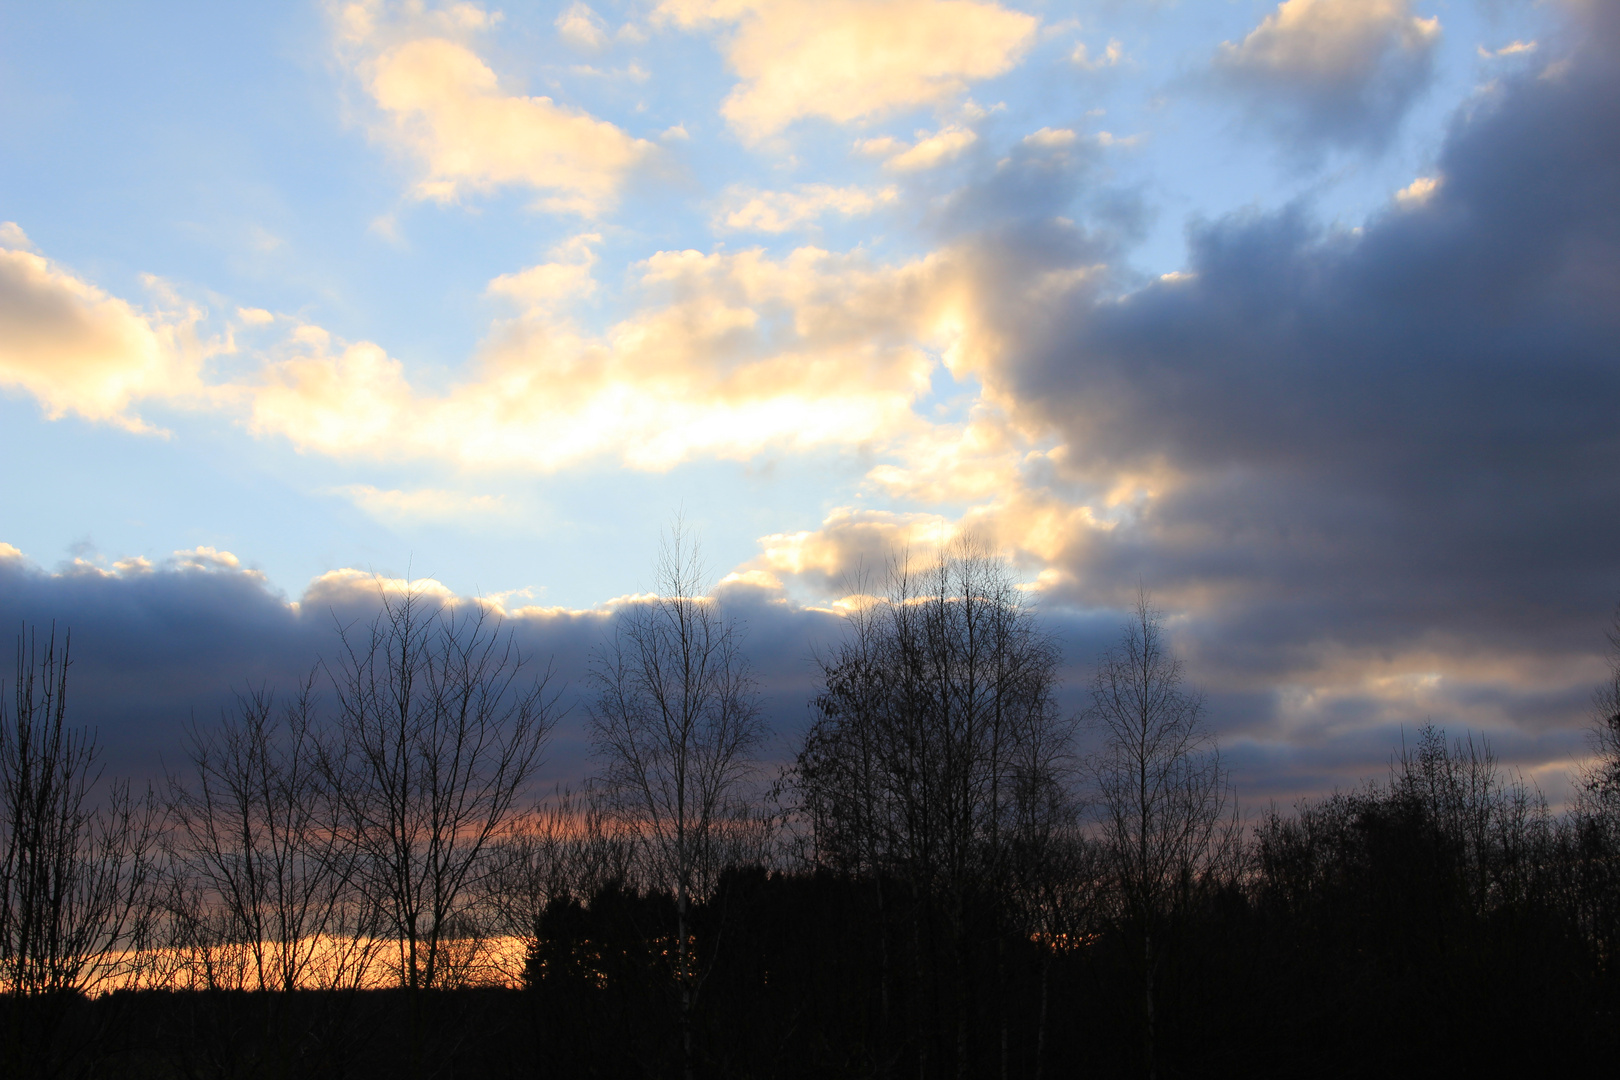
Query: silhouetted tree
(933, 755)
(1058, 876)
(1603, 778)
(438, 733)
(566, 850)
(1593, 833)
(675, 721)
(1161, 788)
(76, 863)
(265, 897)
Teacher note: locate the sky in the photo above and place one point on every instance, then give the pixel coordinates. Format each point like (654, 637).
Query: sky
(1304, 318)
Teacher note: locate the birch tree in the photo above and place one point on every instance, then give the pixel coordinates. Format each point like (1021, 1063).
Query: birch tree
(935, 744)
(1161, 788)
(675, 721)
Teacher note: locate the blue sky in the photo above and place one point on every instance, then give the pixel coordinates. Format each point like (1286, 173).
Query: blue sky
(1292, 313)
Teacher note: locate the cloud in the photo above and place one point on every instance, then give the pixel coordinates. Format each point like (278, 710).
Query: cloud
(582, 28)
(444, 106)
(1112, 55)
(851, 550)
(77, 350)
(846, 60)
(750, 210)
(1331, 72)
(1352, 456)
(730, 354)
(156, 646)
(12, 236)
(1418, 192)
(932, 149)
(207, 559)
(724, 355)
(553, 284)
(1038, 179)
(1370, 472)
(1513, 48)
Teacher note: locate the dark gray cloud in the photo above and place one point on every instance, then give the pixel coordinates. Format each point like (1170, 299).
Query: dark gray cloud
(1398, 440)
(156, 647)
(153, 648)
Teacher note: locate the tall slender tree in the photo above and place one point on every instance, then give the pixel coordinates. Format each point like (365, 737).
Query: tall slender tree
(1162, 792)
(935, 739)
(675, 721)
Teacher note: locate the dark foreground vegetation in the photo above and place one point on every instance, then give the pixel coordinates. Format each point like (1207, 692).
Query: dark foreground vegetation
(939, 886)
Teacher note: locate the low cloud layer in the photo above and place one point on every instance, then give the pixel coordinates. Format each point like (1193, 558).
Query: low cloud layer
(158, 646)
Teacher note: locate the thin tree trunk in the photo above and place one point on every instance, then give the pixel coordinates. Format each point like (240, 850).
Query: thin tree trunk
(1147, 1002)
(883, 970)
(1040, 1030)
(923, 997)
(1001, 981)
(686, 984)
(963, 1007)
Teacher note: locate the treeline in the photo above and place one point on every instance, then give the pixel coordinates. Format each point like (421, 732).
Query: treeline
(347, 878)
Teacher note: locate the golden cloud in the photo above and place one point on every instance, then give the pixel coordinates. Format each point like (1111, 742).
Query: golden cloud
(78, 350)
(445, 107)
(848, 60)
(780, 211)
(549, 285)
(932, 149)
(727, 355)
(582, 28)
(732, 354)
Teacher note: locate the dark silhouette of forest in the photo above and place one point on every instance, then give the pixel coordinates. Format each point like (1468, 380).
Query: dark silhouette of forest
(348, 878)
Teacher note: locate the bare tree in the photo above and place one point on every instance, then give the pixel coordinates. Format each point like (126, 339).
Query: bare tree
(1492, 818)
(1593, 830)
(76, 863)
(935, 742)
(264, 897)
(675, 720)
(1603, 778)
(934, 721)
(1054, 869)
(439, 732)
(1162, 790)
